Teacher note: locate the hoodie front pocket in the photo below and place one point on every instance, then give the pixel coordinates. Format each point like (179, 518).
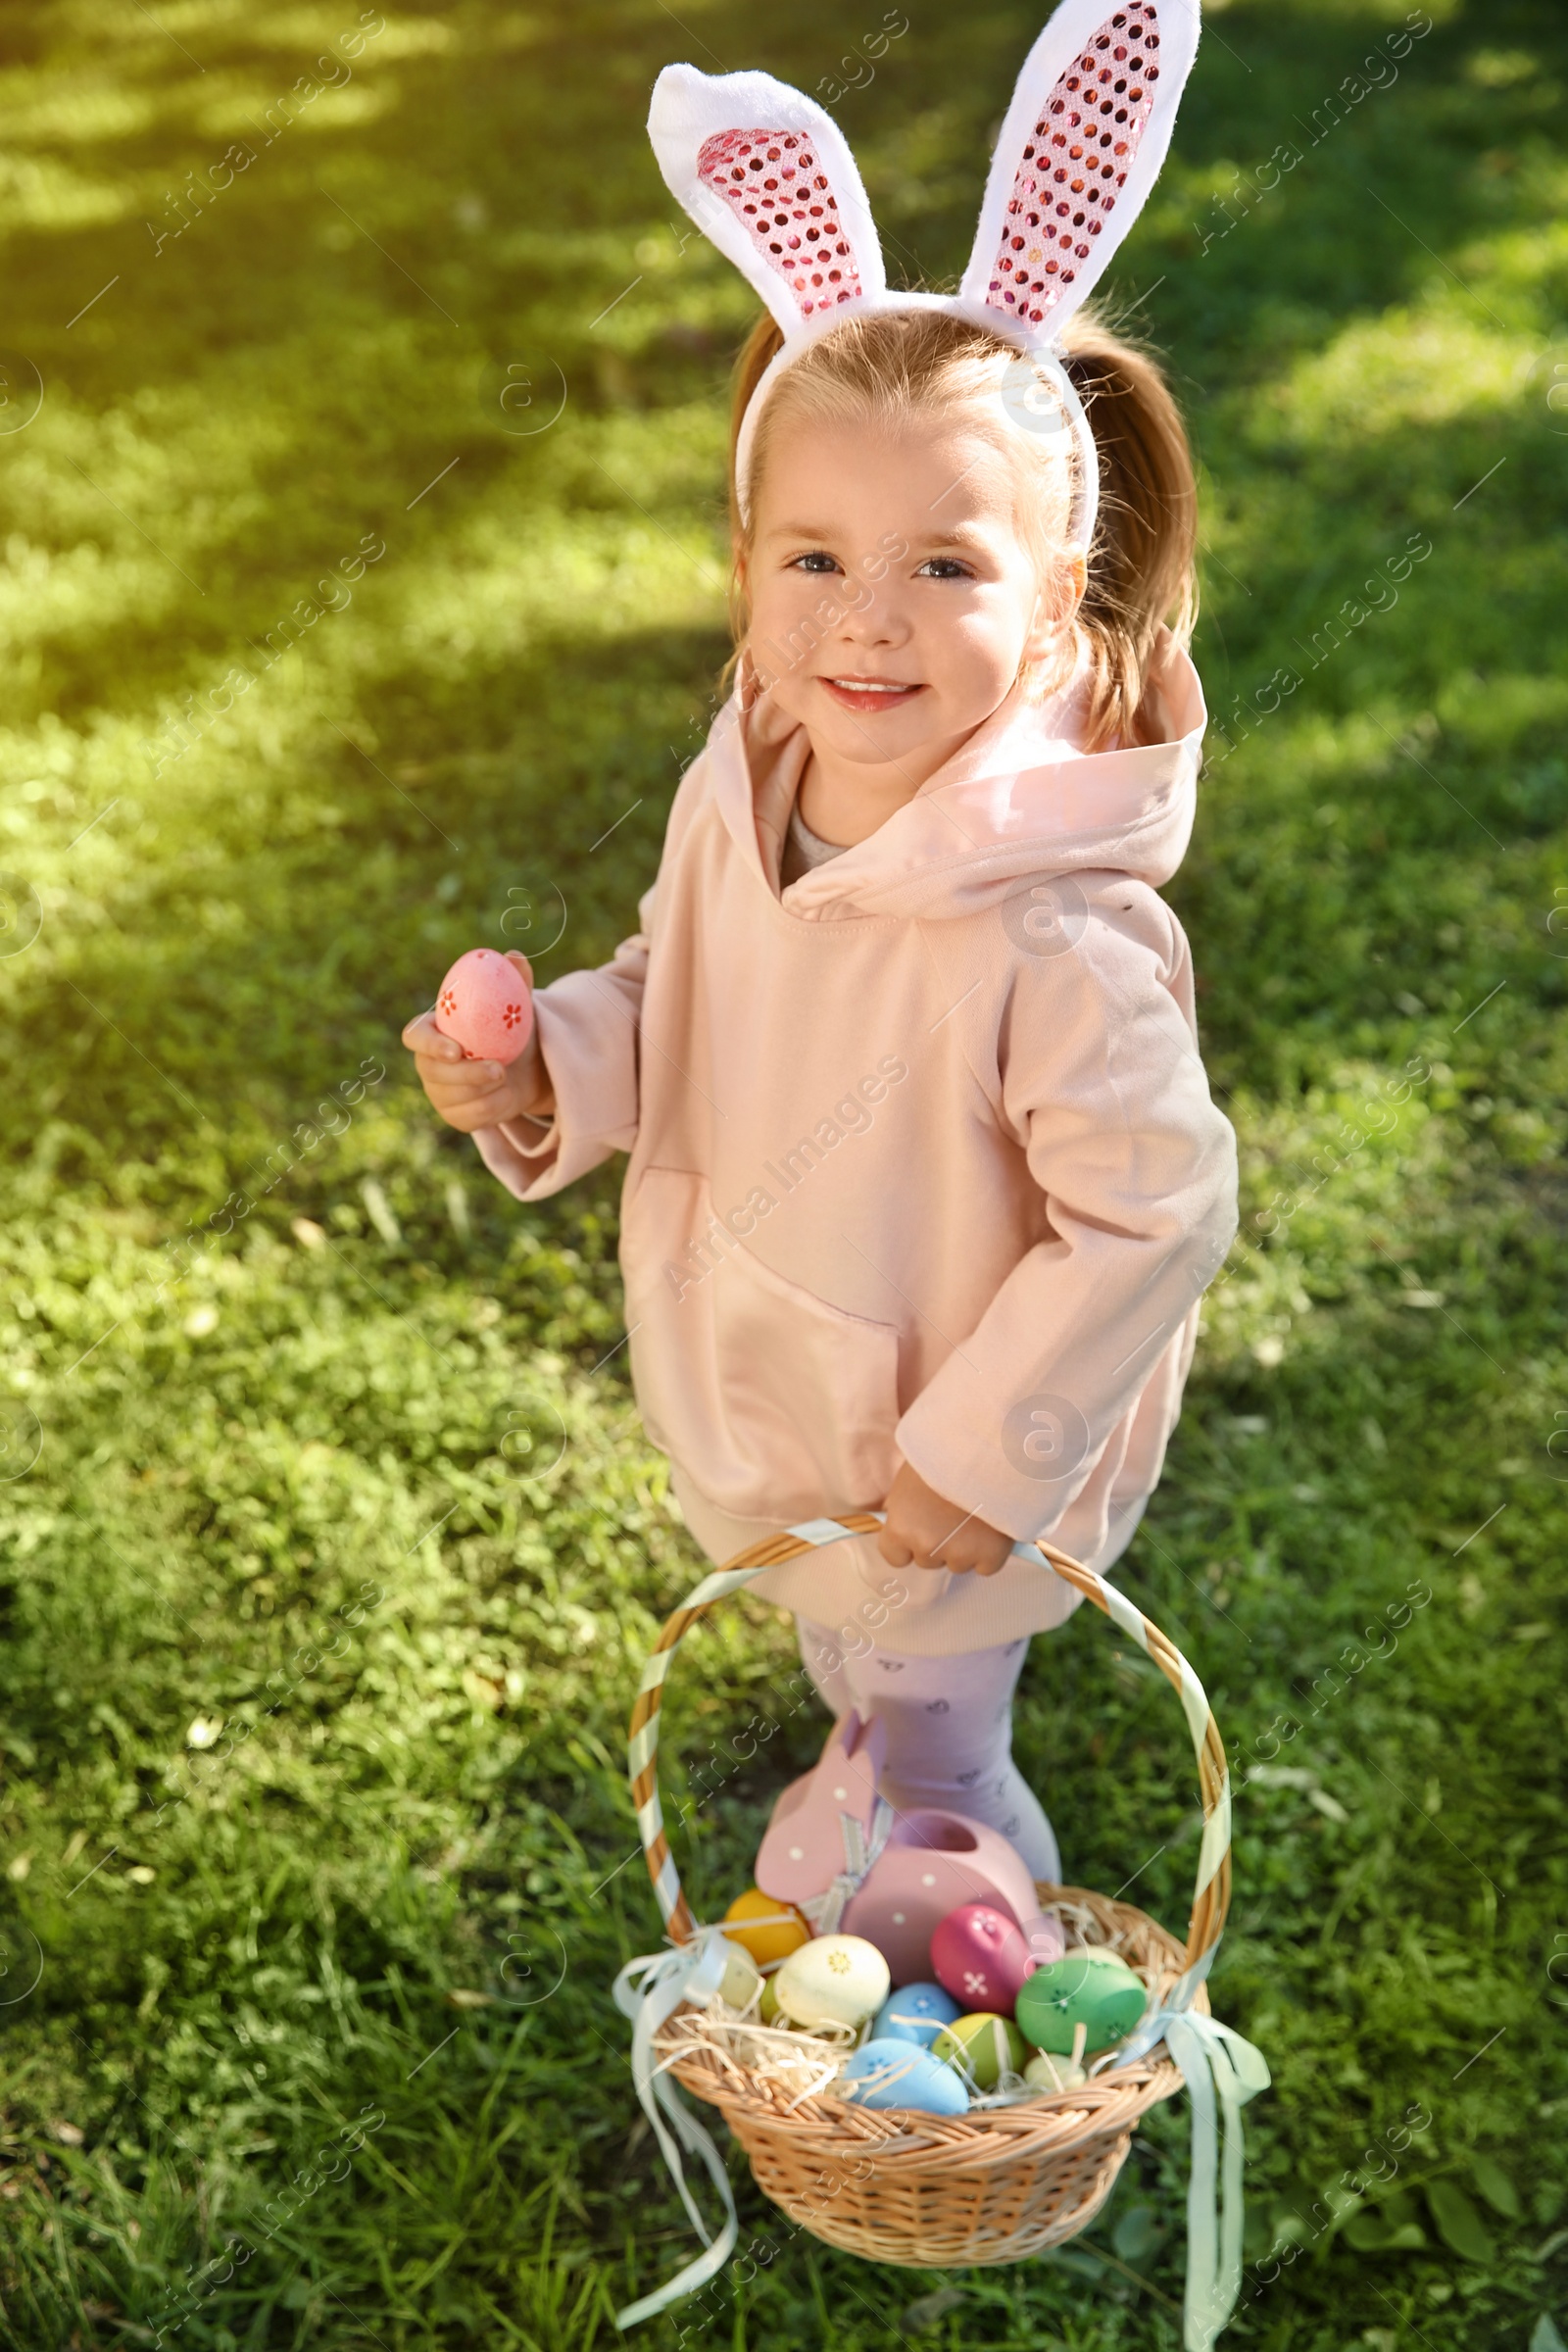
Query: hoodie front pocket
(775, 1404)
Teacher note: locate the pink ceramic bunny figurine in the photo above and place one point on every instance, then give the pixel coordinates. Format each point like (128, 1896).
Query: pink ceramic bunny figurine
(804, 1849)
(932, 1863)
(841, 1853)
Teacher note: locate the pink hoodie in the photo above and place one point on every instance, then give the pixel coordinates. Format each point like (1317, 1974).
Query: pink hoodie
(923, 1159)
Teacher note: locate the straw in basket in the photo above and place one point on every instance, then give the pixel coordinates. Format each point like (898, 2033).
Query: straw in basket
(1000, 2183)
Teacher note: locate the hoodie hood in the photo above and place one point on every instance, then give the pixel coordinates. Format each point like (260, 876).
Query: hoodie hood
(1019, 797)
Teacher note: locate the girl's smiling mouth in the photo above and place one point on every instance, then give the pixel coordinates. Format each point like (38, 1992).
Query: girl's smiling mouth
(869, 694)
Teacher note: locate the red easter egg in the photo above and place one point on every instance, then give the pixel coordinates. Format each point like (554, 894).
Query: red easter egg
(981, 1957)
(485, 1003)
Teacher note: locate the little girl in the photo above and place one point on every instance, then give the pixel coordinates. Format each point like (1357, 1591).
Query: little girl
(925, 1181)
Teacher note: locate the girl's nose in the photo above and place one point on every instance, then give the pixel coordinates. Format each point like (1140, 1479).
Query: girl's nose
(880, 621)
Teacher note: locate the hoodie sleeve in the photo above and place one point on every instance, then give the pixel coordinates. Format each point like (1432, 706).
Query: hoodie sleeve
(589, 1025)
(1095, 1072)
(590, 1034)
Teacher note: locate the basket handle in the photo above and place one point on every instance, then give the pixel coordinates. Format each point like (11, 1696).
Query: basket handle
(1211, 1898)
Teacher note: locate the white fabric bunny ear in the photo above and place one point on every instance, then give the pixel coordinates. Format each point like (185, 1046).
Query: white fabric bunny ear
(1083, 141)
(768, 179)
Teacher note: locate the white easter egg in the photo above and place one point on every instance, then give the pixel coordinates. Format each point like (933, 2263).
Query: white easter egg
(742, 1976)
(1048, 2073)
(832, 1980)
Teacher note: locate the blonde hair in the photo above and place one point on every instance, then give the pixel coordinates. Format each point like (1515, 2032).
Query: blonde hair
(890, 367)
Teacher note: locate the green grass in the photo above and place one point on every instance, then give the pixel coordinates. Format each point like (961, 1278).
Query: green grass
(378, 1505)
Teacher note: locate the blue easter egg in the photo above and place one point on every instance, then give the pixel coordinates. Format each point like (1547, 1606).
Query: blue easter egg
(914, 2013)
(898, 2074)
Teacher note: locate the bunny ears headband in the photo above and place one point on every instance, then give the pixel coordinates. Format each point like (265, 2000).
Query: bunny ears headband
(767, 177)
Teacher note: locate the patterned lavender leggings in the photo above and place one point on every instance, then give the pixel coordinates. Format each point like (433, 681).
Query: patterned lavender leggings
(950, 1732)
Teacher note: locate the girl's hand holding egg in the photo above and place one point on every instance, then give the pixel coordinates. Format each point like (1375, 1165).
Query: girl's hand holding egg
(485, 1006)
(477, 1050)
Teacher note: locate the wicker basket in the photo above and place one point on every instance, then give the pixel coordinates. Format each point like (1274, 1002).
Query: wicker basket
(1000, 2183)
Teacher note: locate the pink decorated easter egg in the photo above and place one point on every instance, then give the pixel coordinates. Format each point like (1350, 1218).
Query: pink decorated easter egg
(982, 1957)
(485, 1003)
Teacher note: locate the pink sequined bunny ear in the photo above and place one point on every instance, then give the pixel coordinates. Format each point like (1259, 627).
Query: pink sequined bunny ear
(1079, 151)
(768, 179)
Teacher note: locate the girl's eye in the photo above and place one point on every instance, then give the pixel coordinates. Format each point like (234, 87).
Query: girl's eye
(944, 567)
(818, 560)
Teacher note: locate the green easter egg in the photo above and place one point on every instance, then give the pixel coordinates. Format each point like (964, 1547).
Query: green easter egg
(981, 2045)
(1089, 1988)
(768, 2006)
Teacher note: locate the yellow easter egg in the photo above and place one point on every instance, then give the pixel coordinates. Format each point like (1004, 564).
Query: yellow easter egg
(768, 1929)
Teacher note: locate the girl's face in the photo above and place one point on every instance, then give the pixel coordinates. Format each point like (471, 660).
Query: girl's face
(893, 602)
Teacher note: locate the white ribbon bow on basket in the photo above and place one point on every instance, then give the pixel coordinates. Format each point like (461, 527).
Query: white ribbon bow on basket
(1215, 2062)
(649, 1990)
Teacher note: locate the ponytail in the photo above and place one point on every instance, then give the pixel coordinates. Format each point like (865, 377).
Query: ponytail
(1143, 566)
